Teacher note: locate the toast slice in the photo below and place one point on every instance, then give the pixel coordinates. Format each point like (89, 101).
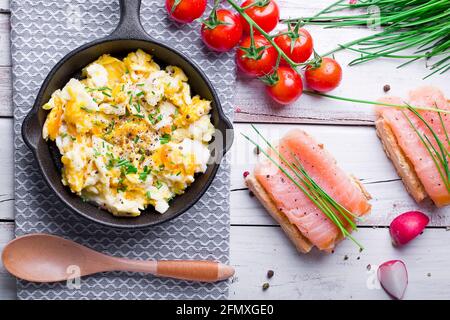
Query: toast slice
(302, 244)
(401, 163)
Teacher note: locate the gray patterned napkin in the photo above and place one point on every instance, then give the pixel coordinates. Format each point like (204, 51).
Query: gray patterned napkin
(42, 33)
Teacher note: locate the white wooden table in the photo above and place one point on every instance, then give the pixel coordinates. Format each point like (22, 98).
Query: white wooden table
(257, 243)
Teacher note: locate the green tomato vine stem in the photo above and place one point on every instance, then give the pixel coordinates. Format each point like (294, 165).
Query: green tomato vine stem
(269, 38)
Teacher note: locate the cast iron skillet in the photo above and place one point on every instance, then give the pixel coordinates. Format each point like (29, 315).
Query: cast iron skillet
(129, 36)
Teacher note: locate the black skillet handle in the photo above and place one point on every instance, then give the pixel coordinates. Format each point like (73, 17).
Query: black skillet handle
(130, 26)
(226, 127)
(31, 131)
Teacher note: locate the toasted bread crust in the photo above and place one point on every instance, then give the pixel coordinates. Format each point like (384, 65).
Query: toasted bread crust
(302, 244)
(401, 163)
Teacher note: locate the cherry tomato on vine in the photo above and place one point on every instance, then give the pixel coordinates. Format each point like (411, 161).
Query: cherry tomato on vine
(325, 77)
(299, 47)
(222, 31)
(260, 60)
(265, 13)
(286, 86)
(185, 11)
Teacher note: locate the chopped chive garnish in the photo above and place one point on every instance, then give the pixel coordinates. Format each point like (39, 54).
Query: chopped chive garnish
(151, 119)
(111, 127)
(138, 107)
(96, 153)
(122, 189)
(85, 109)
(144, 174)
(131, 169)
(165, 138)
(123, 164)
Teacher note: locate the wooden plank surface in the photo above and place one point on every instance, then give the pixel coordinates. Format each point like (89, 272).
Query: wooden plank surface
(342, 275)
(4, 6)
(7, 283)
(287, 7)
(364, 82)
(6, 170)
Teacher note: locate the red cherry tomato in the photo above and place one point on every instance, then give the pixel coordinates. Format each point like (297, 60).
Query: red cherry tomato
(302, 48)
(256, 67)
(266, 17)
(324, 78)
(223, 37)
(186, 11)
(288, 88)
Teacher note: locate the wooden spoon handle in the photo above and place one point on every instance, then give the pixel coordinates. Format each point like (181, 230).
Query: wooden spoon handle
(204, 271)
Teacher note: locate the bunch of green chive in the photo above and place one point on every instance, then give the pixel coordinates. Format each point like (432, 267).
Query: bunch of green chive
(420, 25)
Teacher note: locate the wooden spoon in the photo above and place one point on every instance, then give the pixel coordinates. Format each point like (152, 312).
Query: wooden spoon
(47, 258)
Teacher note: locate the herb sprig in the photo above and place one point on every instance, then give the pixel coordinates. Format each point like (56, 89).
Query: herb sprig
(440, 154)
(333, 210)
(420, 24)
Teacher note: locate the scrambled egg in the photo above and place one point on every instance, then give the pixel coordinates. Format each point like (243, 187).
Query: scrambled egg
(130, 134)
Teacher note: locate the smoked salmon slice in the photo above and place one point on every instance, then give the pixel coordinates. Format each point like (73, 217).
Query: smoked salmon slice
(410, 143)
(323, 169)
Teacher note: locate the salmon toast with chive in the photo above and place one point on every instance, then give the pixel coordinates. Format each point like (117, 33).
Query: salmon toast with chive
(418, 144)
(305, 219)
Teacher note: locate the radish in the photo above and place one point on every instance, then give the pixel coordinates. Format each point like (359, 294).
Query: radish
(407, 226)
(393, 277)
